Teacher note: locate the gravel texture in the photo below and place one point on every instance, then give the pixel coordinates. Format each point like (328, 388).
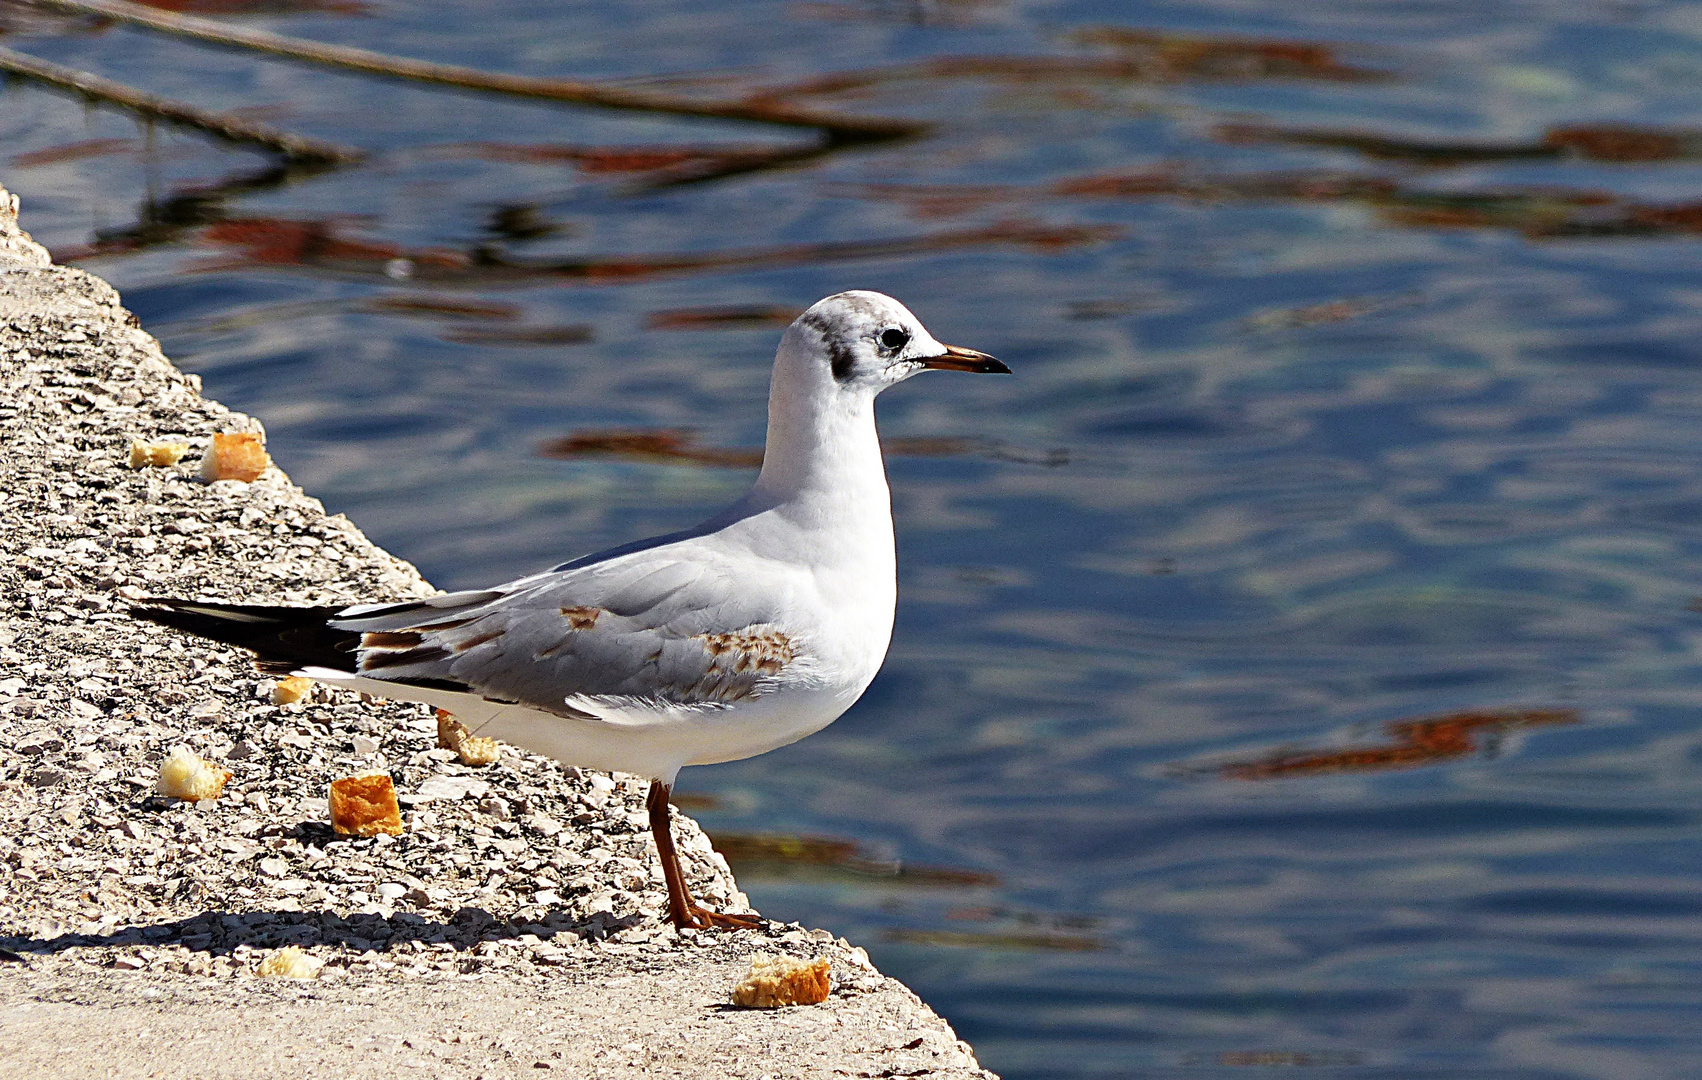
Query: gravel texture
(514, 925)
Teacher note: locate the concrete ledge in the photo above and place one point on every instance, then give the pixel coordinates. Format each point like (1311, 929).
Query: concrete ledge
(513, 927)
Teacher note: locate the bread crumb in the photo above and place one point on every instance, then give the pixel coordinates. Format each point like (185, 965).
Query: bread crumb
(289, 962)
(471, 749)
(237, 455)
(478, 750)
(291, 690)
(365, 805)
(449, 730)
(186, 776)
(782, 980)
(146, 455)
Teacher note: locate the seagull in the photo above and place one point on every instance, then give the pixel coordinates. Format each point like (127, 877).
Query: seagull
(719, 642)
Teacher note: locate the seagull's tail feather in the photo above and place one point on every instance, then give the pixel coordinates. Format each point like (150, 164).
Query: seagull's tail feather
(284, 639)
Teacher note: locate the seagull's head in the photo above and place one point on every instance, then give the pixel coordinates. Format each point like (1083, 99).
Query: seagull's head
(859, 343)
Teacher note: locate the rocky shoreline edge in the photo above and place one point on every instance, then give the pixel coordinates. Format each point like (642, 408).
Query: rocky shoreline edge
(512, 927)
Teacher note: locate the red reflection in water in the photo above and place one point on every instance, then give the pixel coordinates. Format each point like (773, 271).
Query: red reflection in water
(445, 307)
(282, 242)
(1596, 142)
(653, 166)
(571, 334)
(719, 318)
(260, 7)
(1177, 57)
(616, 159)
(1626, 144)
(319, 245)
(949, 14)
(676, 446)
(1422, 742)
(77, 151)
(679, 447)
(772, 851)
(652, 445)
(1019, 941)
(1330, 311)
(1537, 212)
(1140, 56)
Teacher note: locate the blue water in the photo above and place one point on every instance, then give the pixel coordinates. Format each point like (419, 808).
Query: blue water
(1316, 436)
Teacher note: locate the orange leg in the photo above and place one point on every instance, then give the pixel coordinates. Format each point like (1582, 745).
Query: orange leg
(681, 908)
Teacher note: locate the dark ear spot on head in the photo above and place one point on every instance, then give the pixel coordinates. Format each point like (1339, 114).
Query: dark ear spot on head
(840, 357)
(841, 360)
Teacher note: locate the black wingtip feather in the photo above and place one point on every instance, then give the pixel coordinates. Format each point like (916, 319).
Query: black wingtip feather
(283, 638)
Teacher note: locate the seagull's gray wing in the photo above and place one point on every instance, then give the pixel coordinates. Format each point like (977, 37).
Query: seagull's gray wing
(660, 626)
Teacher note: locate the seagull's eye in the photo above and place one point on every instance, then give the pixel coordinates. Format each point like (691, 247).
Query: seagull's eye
(893, 338)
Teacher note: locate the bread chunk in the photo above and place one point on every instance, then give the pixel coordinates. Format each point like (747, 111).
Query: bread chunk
(782, 980)
(146, 455)
(365, 805)
(237, 455)
(186, 776)
(291, 690)
(471, 749)
(289, 962)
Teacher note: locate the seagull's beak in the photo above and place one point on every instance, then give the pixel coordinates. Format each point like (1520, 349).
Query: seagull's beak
(956, 359)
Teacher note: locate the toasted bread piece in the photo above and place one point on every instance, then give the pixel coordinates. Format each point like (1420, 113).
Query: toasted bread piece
(472, 749)
(782, 980)
(365, 805)
(237, 455)
(449, 730)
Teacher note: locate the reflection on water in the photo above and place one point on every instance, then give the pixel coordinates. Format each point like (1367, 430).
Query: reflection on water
(963, 939)
(573, 334)
(713, 318)
(656, 166)
(953, 14)
(671, 446)
(1419, 742)
(1170, 57)
(1536, 212)
(261, 7)
(681, 447)
(762, 855)
(324, 246)
(1605, 142)
(1372, 333)
(446, 307)
(174, 217)
(76, 151)
(1330, 311)
(1142, 56)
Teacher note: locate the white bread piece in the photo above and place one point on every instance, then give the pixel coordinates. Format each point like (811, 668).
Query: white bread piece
(291, 690)
(147, 455)
(186, 776)
(289, 962)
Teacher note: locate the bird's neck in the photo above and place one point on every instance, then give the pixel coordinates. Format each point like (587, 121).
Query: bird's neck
(825, 480)
(828, 452)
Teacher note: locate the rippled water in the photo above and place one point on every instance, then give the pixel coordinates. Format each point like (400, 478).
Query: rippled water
(1295, 663)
